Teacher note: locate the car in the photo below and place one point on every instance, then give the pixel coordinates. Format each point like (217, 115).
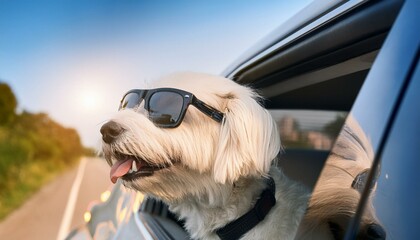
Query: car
(353, 60)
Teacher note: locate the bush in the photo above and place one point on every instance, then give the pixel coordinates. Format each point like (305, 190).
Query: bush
(8, 104)
(33, 148)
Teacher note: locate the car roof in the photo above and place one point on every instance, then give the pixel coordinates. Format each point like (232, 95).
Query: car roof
(344, 37)
(300, 21)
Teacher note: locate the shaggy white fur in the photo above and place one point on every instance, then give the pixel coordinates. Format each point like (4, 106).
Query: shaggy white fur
(217, 170)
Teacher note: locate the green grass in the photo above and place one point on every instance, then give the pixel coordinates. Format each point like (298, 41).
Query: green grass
(24, 181)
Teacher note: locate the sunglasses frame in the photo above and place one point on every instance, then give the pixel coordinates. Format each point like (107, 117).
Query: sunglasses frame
(188, 99)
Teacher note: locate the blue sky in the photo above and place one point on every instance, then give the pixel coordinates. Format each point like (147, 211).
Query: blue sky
(75, 59)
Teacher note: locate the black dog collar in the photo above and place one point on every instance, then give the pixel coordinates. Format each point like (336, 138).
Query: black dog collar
(237, 228)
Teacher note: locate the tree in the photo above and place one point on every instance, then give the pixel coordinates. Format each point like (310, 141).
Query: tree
(333, 128)
(8, 104)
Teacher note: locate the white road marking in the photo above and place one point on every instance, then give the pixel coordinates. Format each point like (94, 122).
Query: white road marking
(71, 203)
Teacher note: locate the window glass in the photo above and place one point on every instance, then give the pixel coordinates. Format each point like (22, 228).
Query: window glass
(393, 203)
(308, 129)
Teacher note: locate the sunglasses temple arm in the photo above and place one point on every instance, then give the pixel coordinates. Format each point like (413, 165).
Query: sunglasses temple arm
(208, 110)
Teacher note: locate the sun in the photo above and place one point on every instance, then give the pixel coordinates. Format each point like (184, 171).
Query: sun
(89, 100)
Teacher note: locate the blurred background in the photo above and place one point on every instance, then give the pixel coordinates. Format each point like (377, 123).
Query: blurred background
(75, 59)
(64, 65)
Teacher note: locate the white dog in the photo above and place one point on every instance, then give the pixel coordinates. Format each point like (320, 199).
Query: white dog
(210, 162)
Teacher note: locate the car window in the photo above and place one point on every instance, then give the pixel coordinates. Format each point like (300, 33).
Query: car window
(307, 137)
(308, 129)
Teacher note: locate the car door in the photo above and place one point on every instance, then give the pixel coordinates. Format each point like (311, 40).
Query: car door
(388, 111)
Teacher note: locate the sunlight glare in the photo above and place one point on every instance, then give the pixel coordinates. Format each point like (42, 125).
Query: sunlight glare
(89, 100)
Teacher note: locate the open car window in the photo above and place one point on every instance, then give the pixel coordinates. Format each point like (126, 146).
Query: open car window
(307, 138)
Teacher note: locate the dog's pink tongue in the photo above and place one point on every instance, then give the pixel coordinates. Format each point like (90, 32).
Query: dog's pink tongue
(119, 169)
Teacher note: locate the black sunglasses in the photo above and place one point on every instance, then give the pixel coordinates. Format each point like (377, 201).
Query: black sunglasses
(167, 106)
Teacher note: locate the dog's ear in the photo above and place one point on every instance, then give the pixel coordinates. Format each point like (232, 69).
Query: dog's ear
(248, 141)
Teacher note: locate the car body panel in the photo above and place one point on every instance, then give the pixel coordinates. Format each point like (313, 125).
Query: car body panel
(114, 218)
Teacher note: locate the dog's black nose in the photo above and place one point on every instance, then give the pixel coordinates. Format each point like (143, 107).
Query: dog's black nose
(110, 131)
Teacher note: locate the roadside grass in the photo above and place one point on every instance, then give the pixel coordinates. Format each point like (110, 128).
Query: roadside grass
(25, 180)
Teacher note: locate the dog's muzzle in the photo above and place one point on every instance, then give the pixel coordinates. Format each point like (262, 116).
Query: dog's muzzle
(127, 167)
(110, 131)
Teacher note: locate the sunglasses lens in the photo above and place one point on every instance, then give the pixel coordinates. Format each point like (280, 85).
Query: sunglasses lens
(131, 100)
(165, 108)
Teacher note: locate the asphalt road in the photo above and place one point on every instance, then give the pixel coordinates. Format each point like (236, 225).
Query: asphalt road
(44, 214)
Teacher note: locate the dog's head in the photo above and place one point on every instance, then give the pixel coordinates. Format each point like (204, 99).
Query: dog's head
(171, 162)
